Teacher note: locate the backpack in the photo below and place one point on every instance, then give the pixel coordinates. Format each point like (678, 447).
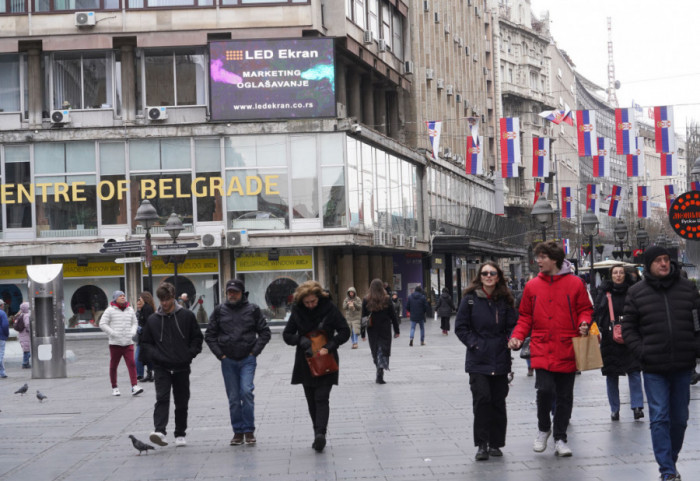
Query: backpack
(19, 323)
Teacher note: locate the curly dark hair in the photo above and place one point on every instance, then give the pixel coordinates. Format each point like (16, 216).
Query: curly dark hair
(308, 288)
(501, 290)
(376, 297)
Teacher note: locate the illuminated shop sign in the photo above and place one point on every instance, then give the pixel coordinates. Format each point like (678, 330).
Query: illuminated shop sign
(261, 262)
(272, 79)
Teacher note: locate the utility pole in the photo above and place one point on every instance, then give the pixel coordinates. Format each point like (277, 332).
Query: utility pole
(612, 83)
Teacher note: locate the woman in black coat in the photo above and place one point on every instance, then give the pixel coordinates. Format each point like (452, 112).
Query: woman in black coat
(444, 309)
(485, 319)
(146, 307)
(312, 309)
(617, 358)
(378, 305)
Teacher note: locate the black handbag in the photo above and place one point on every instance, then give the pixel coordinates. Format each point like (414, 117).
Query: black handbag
(525, 349)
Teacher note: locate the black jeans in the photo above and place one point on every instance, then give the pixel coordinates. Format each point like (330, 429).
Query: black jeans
(557, 387)
(489, 405)
(179, 381)
(319, 407)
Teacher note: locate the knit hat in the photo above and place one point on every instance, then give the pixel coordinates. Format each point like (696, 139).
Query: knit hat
(116, 294)
(235, 285)
(652, 253)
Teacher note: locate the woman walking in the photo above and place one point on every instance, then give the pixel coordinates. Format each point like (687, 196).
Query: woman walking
(24, 336)
(444, 309)
(382, 316)
(145, 307)
(617, 358)
(312, 310)
(352, 307)
(485, 319)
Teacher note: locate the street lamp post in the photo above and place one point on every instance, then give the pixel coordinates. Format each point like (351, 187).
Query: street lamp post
(173, 227)
(542, 212)
(621, 232)
(146, 214)
(589, 227)
(642, 238)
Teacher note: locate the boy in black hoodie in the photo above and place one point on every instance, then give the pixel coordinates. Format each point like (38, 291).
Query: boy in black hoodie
(171, 338)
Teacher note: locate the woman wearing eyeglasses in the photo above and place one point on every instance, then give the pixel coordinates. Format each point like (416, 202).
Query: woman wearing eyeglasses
(485, 318)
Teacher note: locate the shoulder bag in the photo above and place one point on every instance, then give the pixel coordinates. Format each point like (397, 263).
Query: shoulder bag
(616, 326)
(320, 365)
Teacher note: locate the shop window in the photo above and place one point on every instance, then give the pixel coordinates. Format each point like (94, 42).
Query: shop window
(112, 175)
(207, 154)
(304, 177)
(170, 77)
(82, 80)
(18, 173)
(168, 192)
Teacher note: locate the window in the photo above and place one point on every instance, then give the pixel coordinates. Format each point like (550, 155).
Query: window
(82, 80)
(398, 35)
(359, 14)
(207, 157)
(386, 24)
(13, 6)
(533, 80)
(112, 175)
(68, 5)
(510, 75)
(18, 173)
(170, 77)
(13, 83)
(373, 17)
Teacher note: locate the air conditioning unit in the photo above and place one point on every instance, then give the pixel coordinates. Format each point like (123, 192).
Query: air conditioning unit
(367, 37)
(400, 240)
(486, 71)
(449, 90)
(460, 42)
(389, 239)
(437, 17)
(426, 6)
(408, 67)
(379, 239)
(447, 28)
(157, 113)
(458, 98)
(447, 153)
(412, 242)
(440, 84)
(213, 239)
(84, 19)
(381, 44)
(237, 238)
(429, 74)
(478, 13)
(60, 116)
(466, 50)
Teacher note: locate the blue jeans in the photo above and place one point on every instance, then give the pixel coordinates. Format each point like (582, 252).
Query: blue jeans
(353, 336)
(2, 356)
(238, 379)
(26, 355)
(422, 329)
(668, 396)
(634, 380)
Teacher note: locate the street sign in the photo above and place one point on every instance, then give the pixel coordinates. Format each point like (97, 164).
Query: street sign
(129, 260)
(134, 243)
(170, 252)
(122, 250)
(186, 245)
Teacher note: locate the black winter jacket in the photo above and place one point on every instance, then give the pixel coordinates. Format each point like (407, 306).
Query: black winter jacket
(237, 330)
(485, 330)
(658, 322)
(417, 306)
(171, 340)
(445, 306)
(143, 314)
(380, 331)
(617, 358)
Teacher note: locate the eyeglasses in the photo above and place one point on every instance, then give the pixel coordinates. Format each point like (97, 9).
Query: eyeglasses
(489, 273)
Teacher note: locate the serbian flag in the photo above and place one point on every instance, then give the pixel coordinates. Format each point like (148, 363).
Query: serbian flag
(558, 116)
(615, 201)
(541, 188)
(625, 129)
(510, 140)
(593, 198)
(585, 122)
(566, 202)
(509, 170)
(475, 156)
(601, 163)
(434, 130)
(540, 157)
(670, 191)
(669, 164)
(663, 128)
(474, 128)
(642, 201)
(635, 160)
(567, 246)
(695, 185)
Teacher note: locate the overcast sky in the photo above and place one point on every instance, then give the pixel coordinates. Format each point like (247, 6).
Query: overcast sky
(655, 48)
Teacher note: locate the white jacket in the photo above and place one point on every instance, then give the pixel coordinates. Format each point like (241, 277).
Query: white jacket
(119, 325)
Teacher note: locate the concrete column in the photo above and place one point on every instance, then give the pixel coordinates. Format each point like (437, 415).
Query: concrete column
(227, 270)
(380, 117)
(388, 269)
(368, 101)
(341, 94)
(133, 282)
(322, 268)
(128, 83)
(375, 267)
(361, 273)
(35, 95)
(346, 277)
(393, 108)
(354, 96)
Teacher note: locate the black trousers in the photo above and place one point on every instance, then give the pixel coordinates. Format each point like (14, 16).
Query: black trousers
(319, 406)
(445, 323)
(489, 404)
(557, 387)
(179, 382)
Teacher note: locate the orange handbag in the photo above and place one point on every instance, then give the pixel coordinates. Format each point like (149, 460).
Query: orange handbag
(320, 365)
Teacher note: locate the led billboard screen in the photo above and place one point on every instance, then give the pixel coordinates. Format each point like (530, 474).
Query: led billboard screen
(272, 79)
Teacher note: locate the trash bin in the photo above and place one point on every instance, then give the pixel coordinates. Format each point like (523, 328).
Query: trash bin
(45, 287)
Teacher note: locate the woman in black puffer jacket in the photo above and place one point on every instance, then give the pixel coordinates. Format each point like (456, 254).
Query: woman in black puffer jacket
(617, 358)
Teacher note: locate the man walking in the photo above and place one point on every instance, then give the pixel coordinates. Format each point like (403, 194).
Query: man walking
(660, 327)
(417, 306)
(237, 334)
(4, 334)
(562, 311)
(170, 340)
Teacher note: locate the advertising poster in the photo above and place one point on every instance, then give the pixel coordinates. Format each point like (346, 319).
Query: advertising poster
(272, 79)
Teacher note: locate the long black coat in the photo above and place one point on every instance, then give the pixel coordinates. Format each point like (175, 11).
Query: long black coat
(301, 322)
(445, 306)
(617, 358)
(379, 332)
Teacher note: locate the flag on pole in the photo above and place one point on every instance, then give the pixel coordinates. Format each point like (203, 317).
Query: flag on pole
(567, 246)
(663, 128)
(695, 185)
(585, 122)
(510, 140)
(540, 156)
(541, 188)
(635, 160)
(669, 164)
(615, 201)
(625, 131)
(474, 128)
(670, 191)
(601, 163)
(566, 202)
(558, 116)
(509, 170)
(642, 201)
(475, 156)
(593, 198)
(434, 130)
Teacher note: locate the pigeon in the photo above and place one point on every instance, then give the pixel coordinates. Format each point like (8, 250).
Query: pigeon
(40, 396)
(23, 389)
(141, 446)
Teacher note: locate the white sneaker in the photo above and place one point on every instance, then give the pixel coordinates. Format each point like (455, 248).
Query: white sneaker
(115, 392)
(540, 443)
(561, 449)
(158, 438)
(136, 390)
(180, 441)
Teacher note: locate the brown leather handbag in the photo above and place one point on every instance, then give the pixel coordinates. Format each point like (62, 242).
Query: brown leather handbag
(320, 365)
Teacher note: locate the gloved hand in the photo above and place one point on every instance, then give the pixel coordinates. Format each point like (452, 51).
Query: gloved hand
(305, 343)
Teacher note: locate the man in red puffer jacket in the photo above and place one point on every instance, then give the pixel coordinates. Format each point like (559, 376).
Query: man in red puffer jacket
(555, 307)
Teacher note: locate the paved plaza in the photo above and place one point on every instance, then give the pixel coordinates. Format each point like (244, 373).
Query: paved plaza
(417, 426)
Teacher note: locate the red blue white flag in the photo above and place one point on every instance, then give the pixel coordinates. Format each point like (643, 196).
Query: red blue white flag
(510, 140)
(615, 201)
(585, 125)
(540, 156)
(663, 128)
(669, 164)
(434, 131)
(566, 202)
(635, 160)
(642, 201)
(509, 170)
(567, 246)
(625, 131)
(695, 185)
(593, 198)
(558, 116)
(601, 162)
(670, 192)
(541, 188)
(475, 156)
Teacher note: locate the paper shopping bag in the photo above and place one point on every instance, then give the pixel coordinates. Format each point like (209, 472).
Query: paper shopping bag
(587, 349)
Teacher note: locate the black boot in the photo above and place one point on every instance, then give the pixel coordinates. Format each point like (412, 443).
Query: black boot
(483, 453)
(380, 376)
(149, 376)
(319, 442)
(638, 413)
